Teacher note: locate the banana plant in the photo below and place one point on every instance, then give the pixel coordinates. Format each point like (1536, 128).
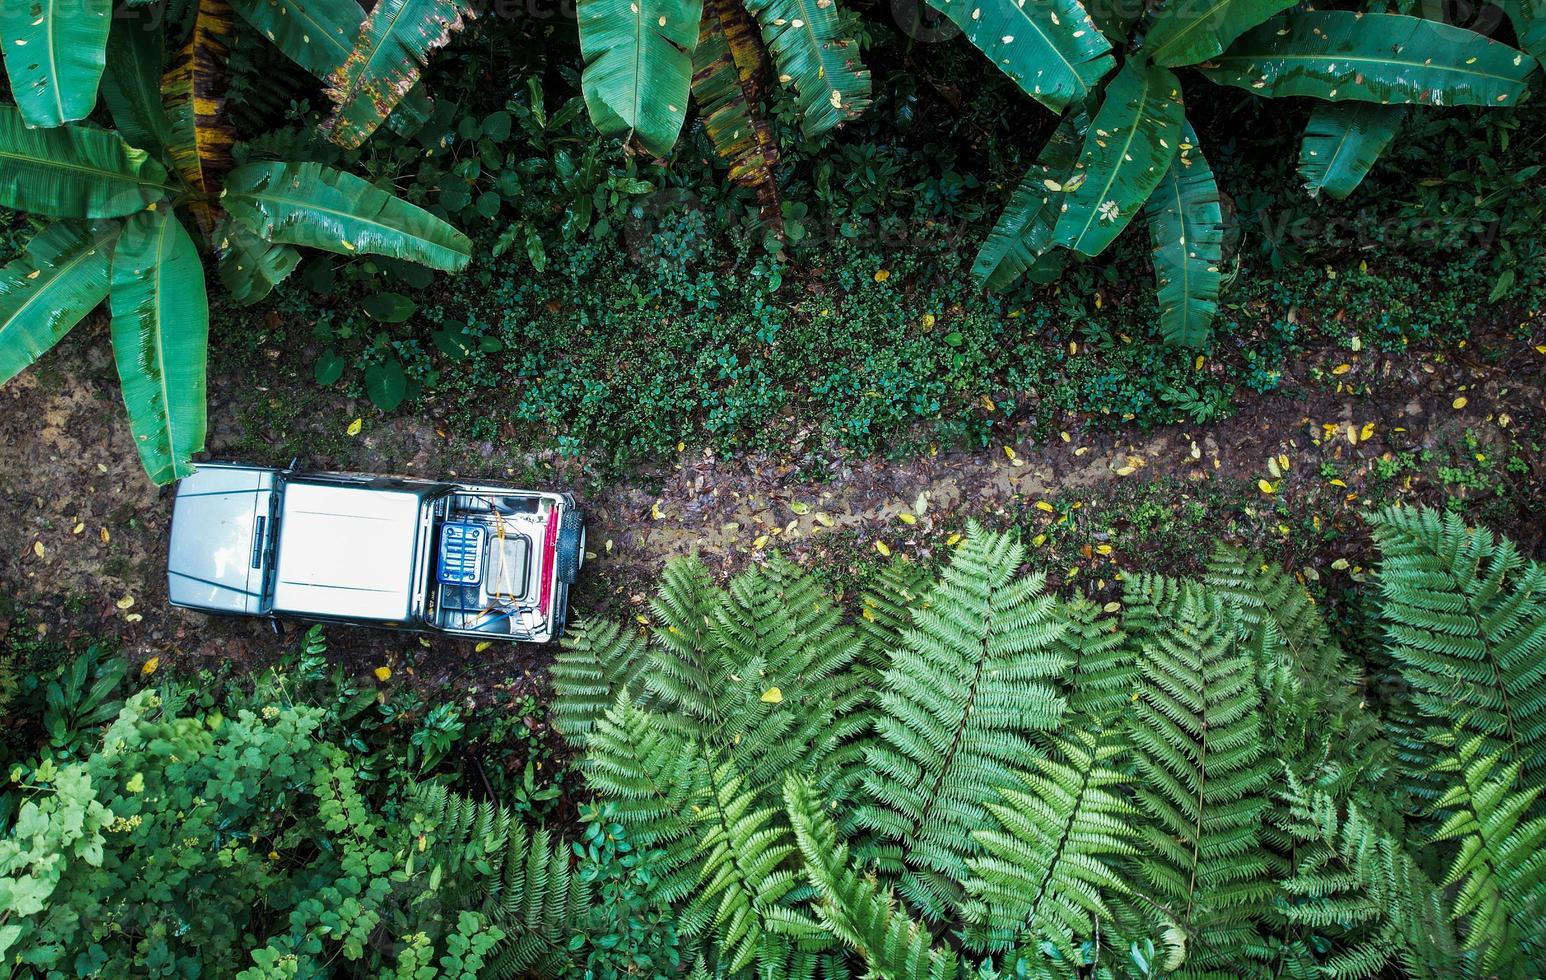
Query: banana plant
(645, 60)
(138, 207)
(1124, 146)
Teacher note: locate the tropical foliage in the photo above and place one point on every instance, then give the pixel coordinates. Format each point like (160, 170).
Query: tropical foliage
(977, 778)
(137, 205)
(1140, 154)
(644, 62)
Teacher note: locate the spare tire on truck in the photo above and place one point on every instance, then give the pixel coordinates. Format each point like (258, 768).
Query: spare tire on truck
(570, 546)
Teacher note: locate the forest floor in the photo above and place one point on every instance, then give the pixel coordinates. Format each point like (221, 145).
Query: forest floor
(83, 541)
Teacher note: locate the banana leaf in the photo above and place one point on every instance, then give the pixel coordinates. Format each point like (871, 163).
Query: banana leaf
(728, 82)
(161, 340)
(55, 51)
(193, 92)
(638, 67)
(1342, 141)
(312, 205)
(394, 44)
(810, 53)
(1186, 227)
(249, 267)
(1529, 20)
(1126, 153)
(1021, 241)
(60, 278)
(74, 171)
(1391, 59)
(131, 86)
(319, 35)
(1050, 48)
(1185, 33)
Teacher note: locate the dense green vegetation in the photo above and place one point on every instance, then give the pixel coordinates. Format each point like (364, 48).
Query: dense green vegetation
(956, 774)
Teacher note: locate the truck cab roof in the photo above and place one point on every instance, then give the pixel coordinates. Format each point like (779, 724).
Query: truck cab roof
(348, 551)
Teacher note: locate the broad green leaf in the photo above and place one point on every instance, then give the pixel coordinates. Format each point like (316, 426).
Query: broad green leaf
(131, 86)
(386, 384)
(319, 207)
(55, 51)
(193, 92)
(394, 44)
(638, 67)
(60, 278)
(249, 267)
(1186, 226)
(1529, 20)
(1050, 48)
(318, 35)
(74, 171)
(160, 341)
(1342, 141)
(1021, 241)
(1386, 58)
(388, 307)
(1126, 153)
(810, 53)
(1188, 31)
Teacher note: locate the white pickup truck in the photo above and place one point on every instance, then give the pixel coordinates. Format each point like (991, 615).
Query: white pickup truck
(489, 562)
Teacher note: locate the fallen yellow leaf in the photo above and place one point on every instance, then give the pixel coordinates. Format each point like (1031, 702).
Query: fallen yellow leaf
(824, 520)
(1197, 365)
(884, 550)
(1010, 452)
(761, 542)
(1341, 369)
(126, 602)
(1266, 487)
(655, 512)
(482, 646)
(1366, 432)
(104, 535)
(38, 549)
(952, 541)
(1104, 549)
(1458, 403)
(928, 322)
(383, 674)
(1042, 505)
(1126, 470)
(772, 696)
(355, 427)
(906, 518)
(1038, 541)
(150, 666)
(881, 275)
(1112, 607)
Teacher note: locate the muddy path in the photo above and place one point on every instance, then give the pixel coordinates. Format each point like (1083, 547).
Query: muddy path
(83, 539)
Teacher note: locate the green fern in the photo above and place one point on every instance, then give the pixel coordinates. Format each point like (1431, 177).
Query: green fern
(1500, 868)
(887, 604)
(1102, 669)
(1357, 884)
(646, 765)
(853, 907)
(1201, 768)
(594, 662)
(970, 686)
(1048, 872)
(742, 885)
(1466, 620)
(521, 880)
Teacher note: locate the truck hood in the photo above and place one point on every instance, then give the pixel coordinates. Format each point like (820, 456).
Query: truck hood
(219, 551)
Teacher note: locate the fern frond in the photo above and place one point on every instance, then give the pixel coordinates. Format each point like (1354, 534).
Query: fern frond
(1313, 707)
(1465, 614)
(682, 670)
(647, 766)
(969, 687)
(886, 607)
(1356, 882)
(596, 659)
(521, 879)
(1500, 869)
(1046, 870)
(853, 906)
(1201, 766)
(1102, 668)
(741, 883)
